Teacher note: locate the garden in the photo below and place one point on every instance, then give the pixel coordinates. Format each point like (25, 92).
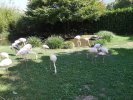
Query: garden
(62, 35)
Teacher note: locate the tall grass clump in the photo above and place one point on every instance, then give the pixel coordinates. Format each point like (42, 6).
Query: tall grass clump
(34, 41)
(106, 36)
(8, 19)
(54, 42)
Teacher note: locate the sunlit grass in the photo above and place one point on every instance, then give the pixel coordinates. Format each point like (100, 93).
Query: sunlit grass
(77, 77)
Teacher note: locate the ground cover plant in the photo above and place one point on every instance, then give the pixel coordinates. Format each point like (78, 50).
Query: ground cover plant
(77, 77)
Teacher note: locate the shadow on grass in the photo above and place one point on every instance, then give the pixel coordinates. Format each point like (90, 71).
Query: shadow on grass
(12, 54)
(131, 38)
(76, 77)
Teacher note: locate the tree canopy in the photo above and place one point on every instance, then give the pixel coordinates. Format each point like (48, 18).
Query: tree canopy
(120, 4)
(52, 11)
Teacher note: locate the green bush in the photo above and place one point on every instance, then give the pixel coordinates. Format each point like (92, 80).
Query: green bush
(34, 41)
(54, 42)
(68, 45)
(106, 36)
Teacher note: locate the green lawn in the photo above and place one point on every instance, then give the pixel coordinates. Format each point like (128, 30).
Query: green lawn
(77, 78)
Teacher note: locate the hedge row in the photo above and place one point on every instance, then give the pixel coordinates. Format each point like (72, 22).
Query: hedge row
(119, 21)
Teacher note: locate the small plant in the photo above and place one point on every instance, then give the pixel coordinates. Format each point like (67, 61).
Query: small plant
(106, 35)
(54, 42)
(68, 45)
(34, 41)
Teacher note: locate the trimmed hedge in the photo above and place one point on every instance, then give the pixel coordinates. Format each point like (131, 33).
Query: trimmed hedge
(119, 21)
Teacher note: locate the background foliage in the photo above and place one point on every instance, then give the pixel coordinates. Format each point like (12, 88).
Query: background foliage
(120, 4)
(118, 21)
(8, 20)
(44, 17)
(66, 18)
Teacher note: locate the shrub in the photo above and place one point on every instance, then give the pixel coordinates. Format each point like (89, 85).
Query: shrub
(106, 35)
(68, 45)
(35, 41)
(54, 42)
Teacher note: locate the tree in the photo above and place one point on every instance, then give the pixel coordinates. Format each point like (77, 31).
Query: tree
(123, 4)
(110, 6)
(120, 4)
(52, 11)
(44, 17)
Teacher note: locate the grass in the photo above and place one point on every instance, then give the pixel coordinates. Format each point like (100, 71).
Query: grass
(76, 78)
